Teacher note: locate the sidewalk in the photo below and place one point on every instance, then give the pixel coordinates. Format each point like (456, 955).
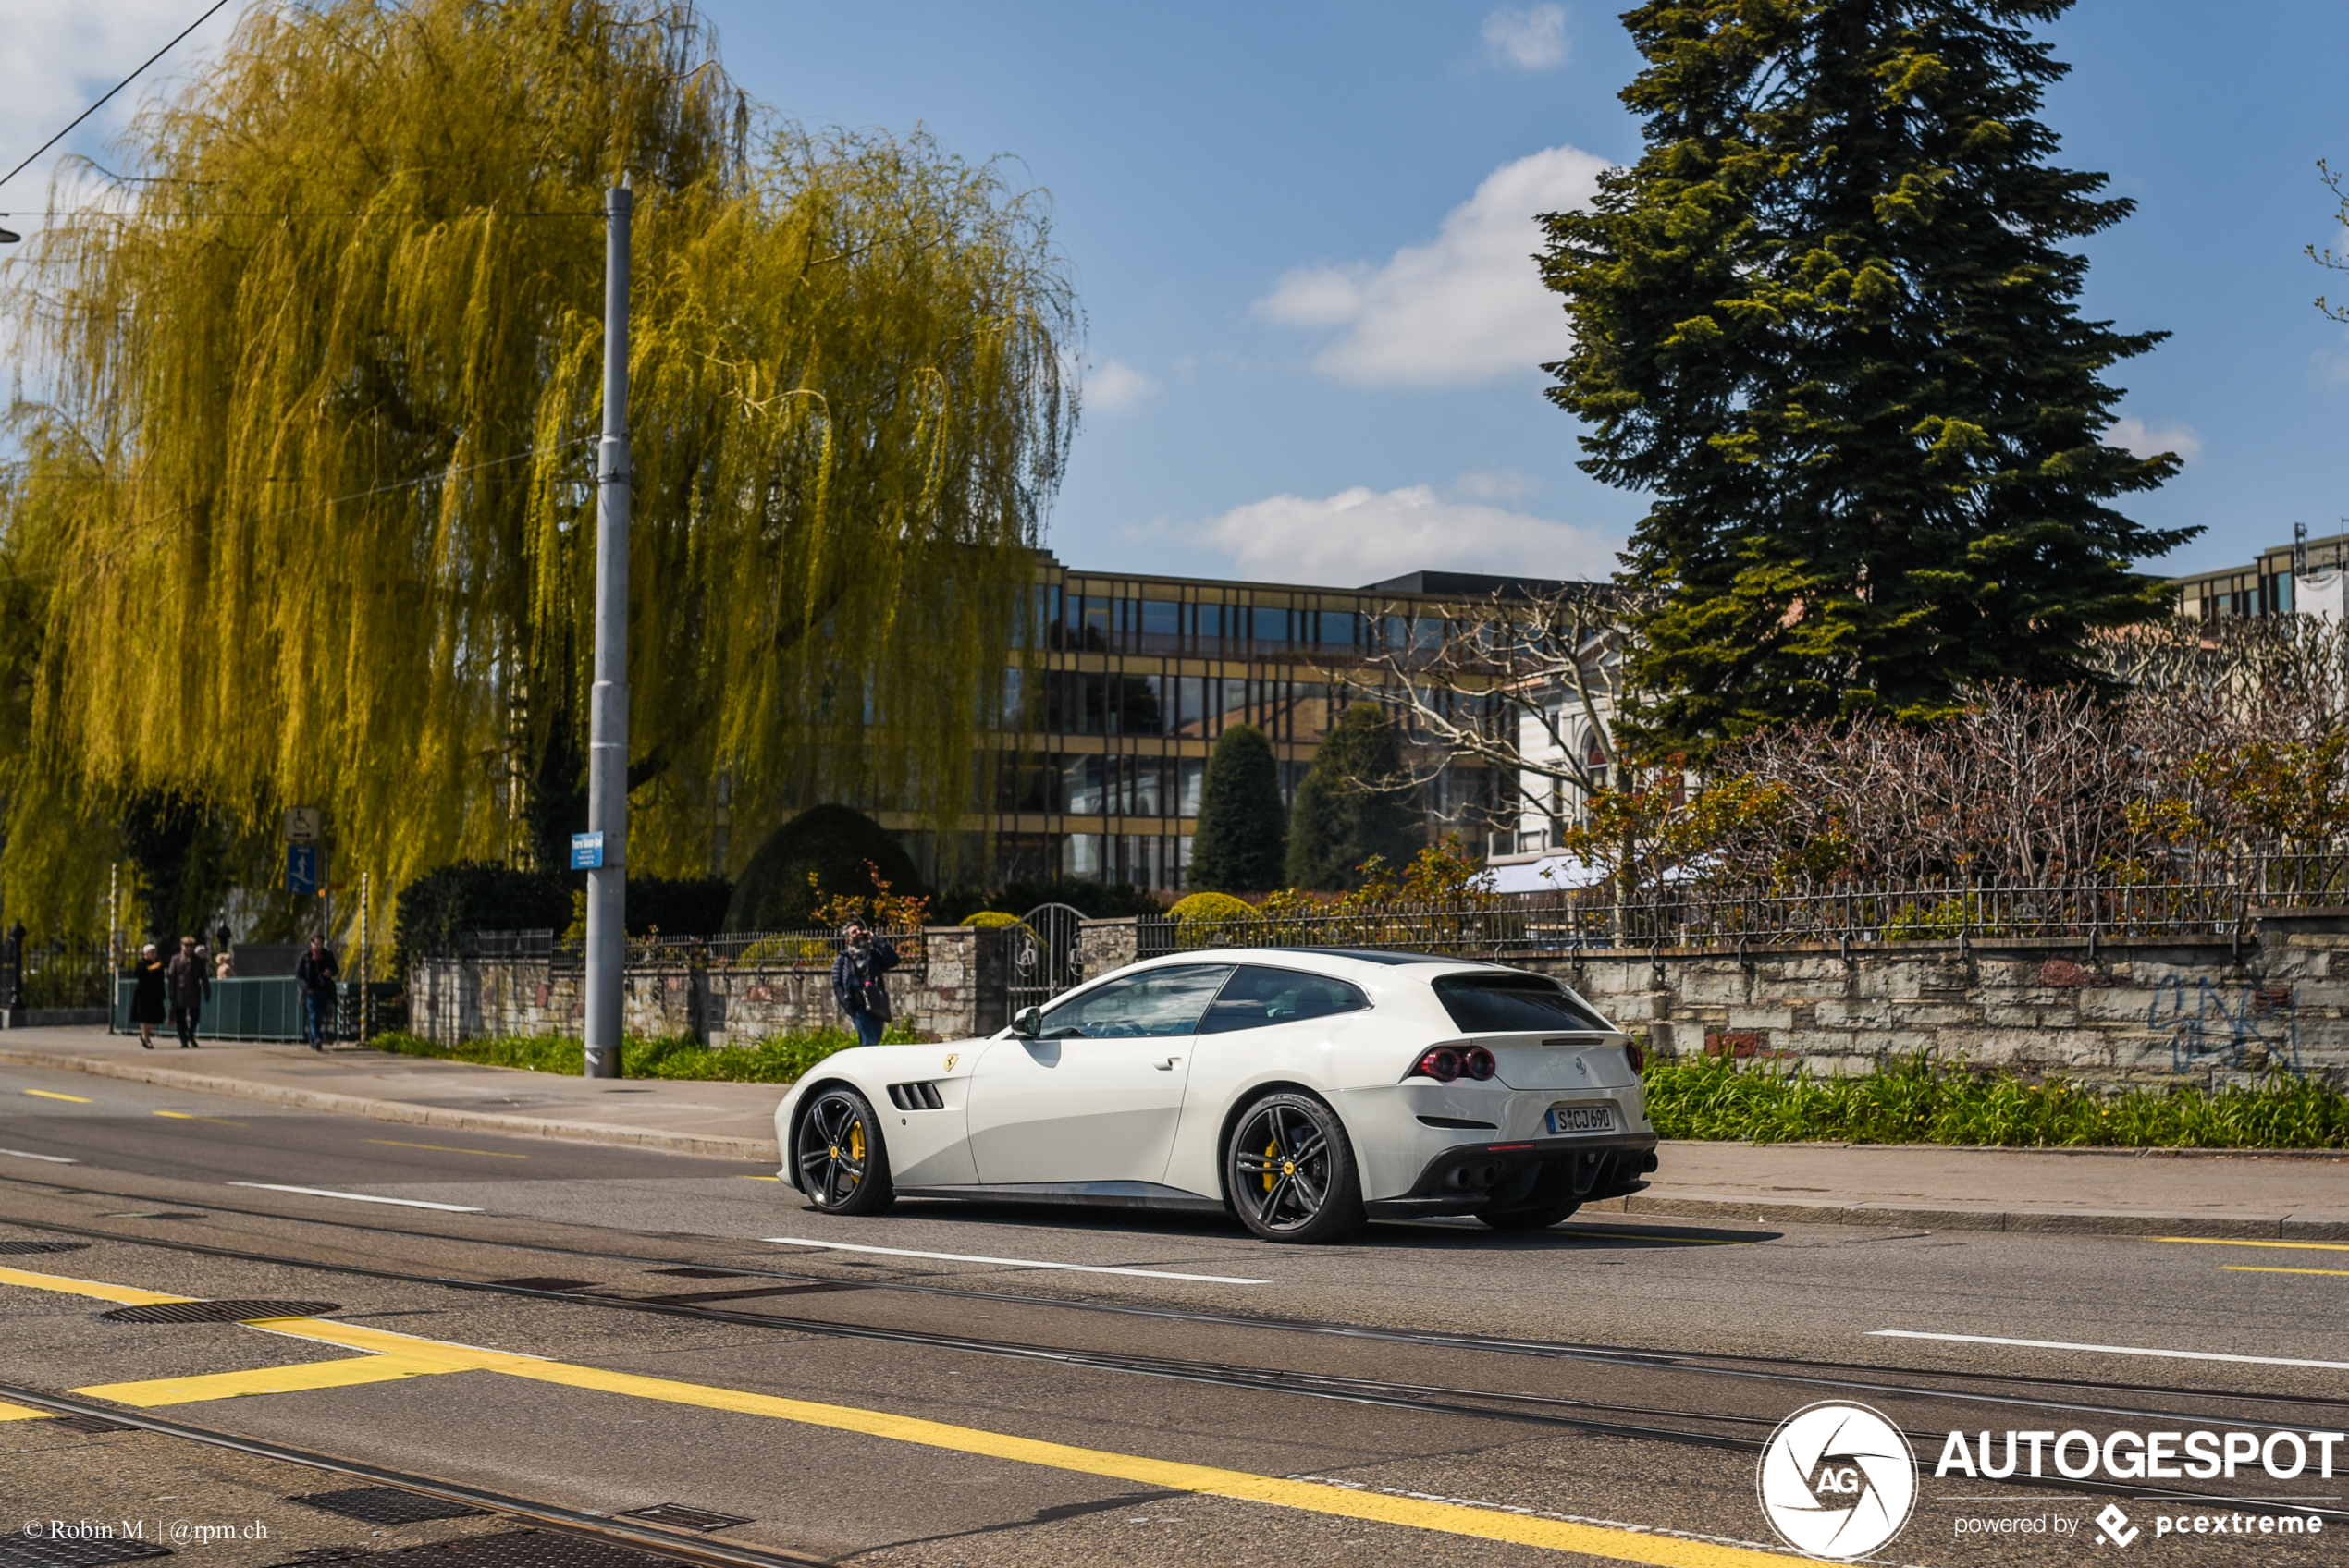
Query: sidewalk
(2125, 1192)
(732, 1121)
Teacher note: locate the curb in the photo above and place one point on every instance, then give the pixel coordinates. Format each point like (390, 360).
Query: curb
(2055, 1222)
(1638, 1205)
(759, 1150)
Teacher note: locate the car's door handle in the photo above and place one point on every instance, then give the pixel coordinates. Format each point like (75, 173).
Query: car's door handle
(1168, 1065)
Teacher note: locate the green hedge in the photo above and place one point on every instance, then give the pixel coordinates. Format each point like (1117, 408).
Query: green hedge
(1920, 1102)
(778, 1058)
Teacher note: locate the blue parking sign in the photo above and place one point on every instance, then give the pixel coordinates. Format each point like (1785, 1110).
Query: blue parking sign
(306, 869)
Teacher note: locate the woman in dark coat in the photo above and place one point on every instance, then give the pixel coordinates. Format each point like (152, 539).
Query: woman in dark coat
(146, 995)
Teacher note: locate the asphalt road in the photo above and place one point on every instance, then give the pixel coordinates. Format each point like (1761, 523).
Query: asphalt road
(966, 1385)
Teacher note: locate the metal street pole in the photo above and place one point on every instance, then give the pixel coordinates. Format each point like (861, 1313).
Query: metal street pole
(608, 699)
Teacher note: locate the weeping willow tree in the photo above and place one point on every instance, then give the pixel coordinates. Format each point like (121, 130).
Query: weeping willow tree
(307, 492)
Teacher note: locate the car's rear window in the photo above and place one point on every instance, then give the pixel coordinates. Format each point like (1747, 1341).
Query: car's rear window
(1504, 1004)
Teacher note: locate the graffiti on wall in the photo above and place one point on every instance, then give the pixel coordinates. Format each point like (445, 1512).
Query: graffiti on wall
(2258, 1030)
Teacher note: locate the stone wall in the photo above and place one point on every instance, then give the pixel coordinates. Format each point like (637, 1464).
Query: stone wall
(958, 991)
(2199, 1009)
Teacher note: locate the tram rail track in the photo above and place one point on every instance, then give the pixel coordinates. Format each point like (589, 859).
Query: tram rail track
(1704, 1428)
(666, 1542)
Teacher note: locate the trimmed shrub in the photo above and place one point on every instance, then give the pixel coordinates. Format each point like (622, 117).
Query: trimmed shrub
(1354, 804)
(987, 917)
(1210, 906)
(1242, 827)
(833, 842)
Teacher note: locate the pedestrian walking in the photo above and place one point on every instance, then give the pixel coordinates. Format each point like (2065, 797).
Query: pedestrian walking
(315, 971)
(187, 980)
(146, 995)
(857, 981)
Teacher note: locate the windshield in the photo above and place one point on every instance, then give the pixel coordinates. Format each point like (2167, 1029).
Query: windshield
(1504, 1003)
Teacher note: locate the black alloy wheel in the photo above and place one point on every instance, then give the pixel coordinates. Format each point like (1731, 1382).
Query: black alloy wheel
(844, 1168)
(1539, 1218)
(1290, 1171)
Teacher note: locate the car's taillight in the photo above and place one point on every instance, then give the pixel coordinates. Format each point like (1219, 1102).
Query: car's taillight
(1477, 1063)
(1442, 1064)
(1635, 1056)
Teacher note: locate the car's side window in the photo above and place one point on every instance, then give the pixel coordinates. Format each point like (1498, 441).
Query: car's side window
(1257, 994)
(1156, 1002)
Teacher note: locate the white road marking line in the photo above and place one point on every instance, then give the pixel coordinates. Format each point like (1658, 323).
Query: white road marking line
(2109, 1349)
(51, 1158)
(360, 1197)
(1017, 1262)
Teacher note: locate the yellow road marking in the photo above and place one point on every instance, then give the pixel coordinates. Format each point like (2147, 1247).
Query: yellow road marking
(2255, 1268)
(2224, 1242)
(445, 1148)
(749, 1178)
(23, 1413)
(418, 1357)
(67, 1285)
(344, 1374)
(192, 1116)
(1637, 1236)
(77, 1099)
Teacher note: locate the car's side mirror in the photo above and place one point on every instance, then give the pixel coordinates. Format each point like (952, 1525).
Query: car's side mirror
(1028, 1023)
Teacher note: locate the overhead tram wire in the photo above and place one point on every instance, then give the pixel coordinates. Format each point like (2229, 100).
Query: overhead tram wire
(216, 7)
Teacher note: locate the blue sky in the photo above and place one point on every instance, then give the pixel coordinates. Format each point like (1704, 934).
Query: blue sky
(1298, 233)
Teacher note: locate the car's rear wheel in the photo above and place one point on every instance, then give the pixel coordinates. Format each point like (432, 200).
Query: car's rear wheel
(1539, 1217)
(1290, 1171)
(843, 1168)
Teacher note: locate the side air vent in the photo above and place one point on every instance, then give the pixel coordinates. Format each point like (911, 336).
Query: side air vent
(917, 1097)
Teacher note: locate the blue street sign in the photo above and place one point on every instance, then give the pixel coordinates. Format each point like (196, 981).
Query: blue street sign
(586, 852)
(306, 869)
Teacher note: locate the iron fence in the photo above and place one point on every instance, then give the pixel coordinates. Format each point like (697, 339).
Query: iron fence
(2215, 902)
(62, 973)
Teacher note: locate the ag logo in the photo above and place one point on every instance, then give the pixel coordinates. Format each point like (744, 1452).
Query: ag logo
(1836, 1480)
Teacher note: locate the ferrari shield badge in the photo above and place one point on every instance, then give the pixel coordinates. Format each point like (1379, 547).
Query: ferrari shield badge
(952, 1058)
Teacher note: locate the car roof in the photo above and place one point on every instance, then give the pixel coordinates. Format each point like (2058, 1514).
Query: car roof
(1347, 959)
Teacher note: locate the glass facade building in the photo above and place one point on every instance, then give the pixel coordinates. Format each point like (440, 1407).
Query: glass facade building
(1123, 684)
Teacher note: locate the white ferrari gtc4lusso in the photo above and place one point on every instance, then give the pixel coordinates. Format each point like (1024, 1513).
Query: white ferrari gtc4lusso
(1304, 1089)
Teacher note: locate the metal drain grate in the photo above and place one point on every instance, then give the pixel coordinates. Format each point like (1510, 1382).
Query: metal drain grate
(684, 1518)
(22, 1552)
(18, 1249)
(540, 1283)
(386, 1505)
(532, 1549)
(215, 1311)
(91, 1424)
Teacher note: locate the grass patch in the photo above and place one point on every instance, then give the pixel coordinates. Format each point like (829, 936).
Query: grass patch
(778, 1058)
(1918, 1102)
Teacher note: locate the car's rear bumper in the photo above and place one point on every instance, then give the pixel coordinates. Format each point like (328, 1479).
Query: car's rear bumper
(1524, 1174)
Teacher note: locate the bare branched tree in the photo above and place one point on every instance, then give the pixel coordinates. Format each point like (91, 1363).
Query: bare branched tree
(1514, 684)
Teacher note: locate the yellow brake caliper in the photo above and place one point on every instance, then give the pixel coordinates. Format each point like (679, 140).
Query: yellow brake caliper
(856, 1147)
(1271, 1152)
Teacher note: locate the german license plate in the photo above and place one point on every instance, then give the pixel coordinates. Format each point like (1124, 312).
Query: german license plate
(1581, 1119)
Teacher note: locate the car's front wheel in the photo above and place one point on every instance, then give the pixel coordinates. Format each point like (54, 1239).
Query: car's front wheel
(1538, 1218)
(844, 1168)
(1290, 1171)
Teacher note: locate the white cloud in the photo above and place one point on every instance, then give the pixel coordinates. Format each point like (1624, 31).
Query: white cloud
(1467, 306)
(2148, 440)
(1361, 535)
(1532, 40)
(1114, 388)
(1501, 485)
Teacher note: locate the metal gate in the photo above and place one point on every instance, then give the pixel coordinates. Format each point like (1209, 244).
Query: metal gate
(1046, 957)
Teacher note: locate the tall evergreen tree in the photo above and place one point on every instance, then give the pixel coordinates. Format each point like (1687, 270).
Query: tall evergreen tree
(1827, 323)
(1242, 829)
(1355, 803)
